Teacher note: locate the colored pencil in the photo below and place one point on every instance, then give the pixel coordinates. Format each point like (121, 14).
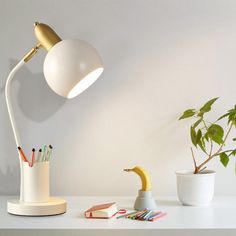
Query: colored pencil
(142, 217)
(147, 215)
(143, 213)
(49, 153)
(39, 155)
(32, 158)
(22, 154)
(44, 152)
(135, 214)
(157, 217)
(155, 214)
(125, 215)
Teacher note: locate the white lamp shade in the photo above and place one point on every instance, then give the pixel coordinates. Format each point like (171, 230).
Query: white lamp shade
(71, 66)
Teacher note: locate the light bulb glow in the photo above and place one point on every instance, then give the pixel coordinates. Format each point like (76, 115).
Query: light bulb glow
(85, 83)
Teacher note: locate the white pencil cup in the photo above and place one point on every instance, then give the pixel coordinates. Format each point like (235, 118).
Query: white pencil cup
(36, 182)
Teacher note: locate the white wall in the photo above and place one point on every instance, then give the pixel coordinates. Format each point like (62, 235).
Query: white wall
(160, 57)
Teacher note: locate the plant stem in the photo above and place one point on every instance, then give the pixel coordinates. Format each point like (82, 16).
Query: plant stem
(231, 150)
(202, 169)
(194, 160)
(211, 156)
(211, 147)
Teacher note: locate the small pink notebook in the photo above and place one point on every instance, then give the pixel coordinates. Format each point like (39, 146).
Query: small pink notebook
(102, 211)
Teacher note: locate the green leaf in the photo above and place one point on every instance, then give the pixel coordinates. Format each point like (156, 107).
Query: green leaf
(188, 113)
(216, 133)
(193, 136)
(232, 111)
(207, 107)
(201, 144)
(197, 123)
(224, 159)
(206, 137)
(234, 139)
(233, 153)
(232, 117)
(199, 136)
(223, 116)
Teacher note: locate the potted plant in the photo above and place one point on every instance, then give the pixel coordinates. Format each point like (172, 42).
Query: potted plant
(196, 187)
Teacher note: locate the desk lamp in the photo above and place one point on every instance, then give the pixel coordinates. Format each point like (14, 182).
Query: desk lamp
(70, 67)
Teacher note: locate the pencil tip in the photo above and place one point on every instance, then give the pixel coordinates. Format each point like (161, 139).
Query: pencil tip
(40, 150)
(19, 148)
(50, 146)
(33, 150)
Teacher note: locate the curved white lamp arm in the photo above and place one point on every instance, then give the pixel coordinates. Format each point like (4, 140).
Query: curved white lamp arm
(12, 117)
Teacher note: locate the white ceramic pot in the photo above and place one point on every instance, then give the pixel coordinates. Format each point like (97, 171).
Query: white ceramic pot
(195, 189)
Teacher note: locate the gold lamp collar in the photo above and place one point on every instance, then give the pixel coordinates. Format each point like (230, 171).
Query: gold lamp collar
(46, 36)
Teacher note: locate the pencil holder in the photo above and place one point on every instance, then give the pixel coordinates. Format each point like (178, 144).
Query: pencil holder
(36, 182)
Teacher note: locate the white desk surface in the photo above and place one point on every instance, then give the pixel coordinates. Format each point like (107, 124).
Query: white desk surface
(217, 218)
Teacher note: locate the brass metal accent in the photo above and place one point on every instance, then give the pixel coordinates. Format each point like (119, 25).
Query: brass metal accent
(31, 53)
(47, 39)
(46, 35)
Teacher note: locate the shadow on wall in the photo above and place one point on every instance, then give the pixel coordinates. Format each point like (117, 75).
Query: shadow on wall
(38, 103)
(36, 100)
(10, 180)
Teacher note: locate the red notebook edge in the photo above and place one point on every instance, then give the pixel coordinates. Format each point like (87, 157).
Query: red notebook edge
(96, 208)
